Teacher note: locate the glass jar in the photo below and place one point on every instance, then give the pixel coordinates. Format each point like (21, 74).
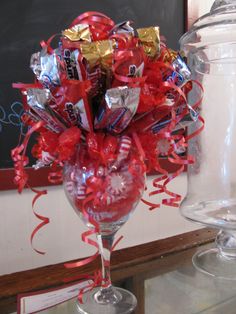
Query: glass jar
(210, 47)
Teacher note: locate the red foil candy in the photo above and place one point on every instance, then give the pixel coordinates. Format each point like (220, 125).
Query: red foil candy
(72, 103)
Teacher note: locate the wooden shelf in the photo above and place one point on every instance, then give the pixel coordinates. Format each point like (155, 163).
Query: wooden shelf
(129, 263)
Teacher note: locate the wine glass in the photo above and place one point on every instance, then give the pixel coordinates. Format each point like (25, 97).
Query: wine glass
(210, 46)
(104, 192)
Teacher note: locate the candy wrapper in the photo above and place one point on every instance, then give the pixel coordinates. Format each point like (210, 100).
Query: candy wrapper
(113, 99)
(118, 108)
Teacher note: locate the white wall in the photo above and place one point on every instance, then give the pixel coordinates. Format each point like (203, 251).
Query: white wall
(197, 8)
(61, 238)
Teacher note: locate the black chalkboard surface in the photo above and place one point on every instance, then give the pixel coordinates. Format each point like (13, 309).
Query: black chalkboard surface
(24, 23)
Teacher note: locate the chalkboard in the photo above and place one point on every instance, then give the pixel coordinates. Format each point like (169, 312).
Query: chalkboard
(24, 23)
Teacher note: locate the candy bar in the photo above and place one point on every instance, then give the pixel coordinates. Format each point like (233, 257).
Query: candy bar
(119, 107)
(181, 73)
(46, 67)
(38, 100)
(72, 104)
(98, 57)
(123, 28)
(73, 66)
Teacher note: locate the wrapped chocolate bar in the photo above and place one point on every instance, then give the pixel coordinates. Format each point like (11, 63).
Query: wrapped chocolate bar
(46, 67)
(150, 40)
(185, 121)
(30, 117)
(74, 68)
(123, 28)
(38, 100)
(98, 57)
(72, 103)
(181, 73)
(118, 108)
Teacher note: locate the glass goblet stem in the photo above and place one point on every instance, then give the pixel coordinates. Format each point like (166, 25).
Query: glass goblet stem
(107, 293)
(105, 243)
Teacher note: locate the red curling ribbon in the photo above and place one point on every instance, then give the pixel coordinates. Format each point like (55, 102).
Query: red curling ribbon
(25, 86)
(20, 160)
(160, 189)
(120, 58)
(174, 196)
(99, 24)
(174, 158)
(152, 206)
(97, 279)
(45, 220)
(47, 45)
(94, 17)
(85, 238)
(138, 145)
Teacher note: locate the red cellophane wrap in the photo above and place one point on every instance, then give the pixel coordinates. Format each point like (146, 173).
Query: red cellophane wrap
(140, 98)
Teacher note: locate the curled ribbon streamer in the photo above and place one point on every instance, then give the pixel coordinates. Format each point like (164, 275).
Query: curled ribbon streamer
(20, 160)
(47, 44)
(45, 220)
(172, 156)
(97, 279)
(93, 16)
(138, 145)
(178, 160)
(120, 58)
(18, 156)
(174, 196)
(99, 24)
(160, 189)
(85, 238)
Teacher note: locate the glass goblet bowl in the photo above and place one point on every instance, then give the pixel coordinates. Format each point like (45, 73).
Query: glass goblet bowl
(104, 192)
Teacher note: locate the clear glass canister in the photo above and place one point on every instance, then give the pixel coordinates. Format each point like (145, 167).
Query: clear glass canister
(210, 47)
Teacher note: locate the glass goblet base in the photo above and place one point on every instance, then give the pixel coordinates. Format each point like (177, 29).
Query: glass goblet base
(213, 263)
(120, 302)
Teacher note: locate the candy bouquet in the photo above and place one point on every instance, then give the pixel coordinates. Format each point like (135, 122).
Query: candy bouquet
(107, 102)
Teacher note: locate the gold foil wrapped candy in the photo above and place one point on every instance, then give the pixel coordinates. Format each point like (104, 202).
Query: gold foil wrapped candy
(78, 32)
(170, 55)
(150, 39)
(98, 53)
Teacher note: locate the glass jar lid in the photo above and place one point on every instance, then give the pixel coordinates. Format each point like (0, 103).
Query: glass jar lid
(216, 27)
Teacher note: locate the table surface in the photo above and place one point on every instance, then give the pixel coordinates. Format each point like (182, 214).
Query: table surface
(182, 290)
